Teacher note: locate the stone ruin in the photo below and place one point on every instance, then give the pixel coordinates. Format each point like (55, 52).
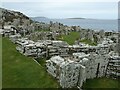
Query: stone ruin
(71, 65)
(68, 72)
(77, 68)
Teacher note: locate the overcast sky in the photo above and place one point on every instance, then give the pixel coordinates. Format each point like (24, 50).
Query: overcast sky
(97, 9)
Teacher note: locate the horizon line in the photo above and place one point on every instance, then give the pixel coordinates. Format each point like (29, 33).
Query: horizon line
(73, 18)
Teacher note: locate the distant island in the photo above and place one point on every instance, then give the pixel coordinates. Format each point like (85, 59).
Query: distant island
(49, 18)
(75, 18)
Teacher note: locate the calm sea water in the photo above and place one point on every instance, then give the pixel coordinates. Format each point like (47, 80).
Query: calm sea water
(107, 25)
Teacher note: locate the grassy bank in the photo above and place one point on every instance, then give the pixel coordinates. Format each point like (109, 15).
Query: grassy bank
(22, 72)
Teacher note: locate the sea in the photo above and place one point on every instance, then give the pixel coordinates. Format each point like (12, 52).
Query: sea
(94, 24)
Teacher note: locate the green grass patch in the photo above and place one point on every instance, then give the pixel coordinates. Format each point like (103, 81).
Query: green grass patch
(20, 71)
(73, 36)
(42, 61)
(89, 42)
(70, 39)
(101, 83)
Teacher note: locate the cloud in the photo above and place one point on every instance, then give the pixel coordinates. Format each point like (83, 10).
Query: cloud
(66, 9)
(60, 1)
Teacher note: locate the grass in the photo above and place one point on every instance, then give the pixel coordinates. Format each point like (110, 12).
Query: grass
(73, 36)
(22, 72)
(101, 83)
(42, 62)
(89, 42)
(70, 39)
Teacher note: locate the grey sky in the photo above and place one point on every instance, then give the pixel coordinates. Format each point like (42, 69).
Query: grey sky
(65, 8)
